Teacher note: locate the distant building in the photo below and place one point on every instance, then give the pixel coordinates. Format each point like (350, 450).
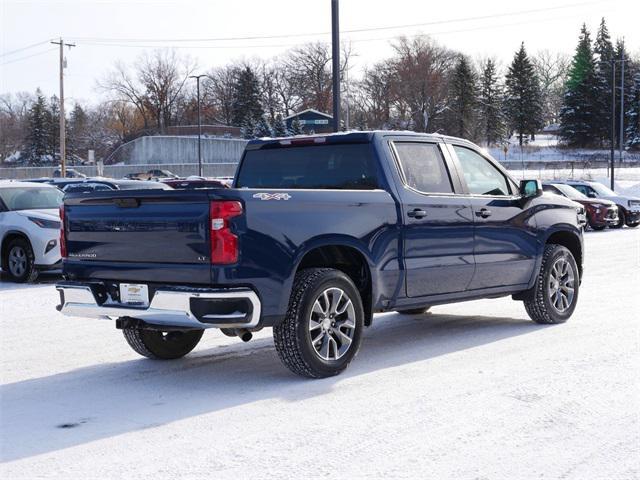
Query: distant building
(312, 121)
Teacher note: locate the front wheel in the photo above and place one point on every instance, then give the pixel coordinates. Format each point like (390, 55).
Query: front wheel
(555, 293)
(19, 261)
(322, 329)
(161, 345)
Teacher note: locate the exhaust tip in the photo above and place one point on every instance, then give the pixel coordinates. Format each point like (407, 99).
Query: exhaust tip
(245, 335)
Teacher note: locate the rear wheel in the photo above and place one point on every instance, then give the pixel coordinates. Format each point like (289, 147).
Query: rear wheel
(414, 311)
(19, 261)
(162, 345)
(322, 330)
(555, 293)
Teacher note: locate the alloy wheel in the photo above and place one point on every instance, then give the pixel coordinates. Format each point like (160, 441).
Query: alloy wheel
(332, 324)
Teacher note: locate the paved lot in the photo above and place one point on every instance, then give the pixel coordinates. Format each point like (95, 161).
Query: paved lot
(474, 390)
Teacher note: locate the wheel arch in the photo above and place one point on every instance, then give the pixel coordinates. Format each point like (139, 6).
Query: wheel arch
(6, 240)
(348, 258)
(572, 241)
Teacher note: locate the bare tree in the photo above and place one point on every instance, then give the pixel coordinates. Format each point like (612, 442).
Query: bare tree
(552, 69)
(155, 88)
(422, 69)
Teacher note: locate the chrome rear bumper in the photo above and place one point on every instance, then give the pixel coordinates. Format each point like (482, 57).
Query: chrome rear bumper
(170, 307)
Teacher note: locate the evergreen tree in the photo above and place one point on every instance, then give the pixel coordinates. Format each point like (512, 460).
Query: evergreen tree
(621, 53)
(53, 127)
(523, 102)
(37, 141)
(279, 127)
(247, 130)
(246, 97)
(633, 116)
(262, 128)
(296, 127)
(78, 123)
(604, 51)
(582, 99)
(491, 105)
(464, 99)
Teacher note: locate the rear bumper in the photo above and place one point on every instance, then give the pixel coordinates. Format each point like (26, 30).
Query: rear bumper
(169, 306)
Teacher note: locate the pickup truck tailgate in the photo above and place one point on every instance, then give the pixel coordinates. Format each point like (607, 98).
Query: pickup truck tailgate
(107, 230)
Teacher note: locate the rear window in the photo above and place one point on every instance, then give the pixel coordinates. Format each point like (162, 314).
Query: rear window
(342, 167)
(31, 198)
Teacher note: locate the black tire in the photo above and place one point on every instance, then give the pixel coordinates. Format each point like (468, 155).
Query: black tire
(18, 261)
(597, 227)
(540, 304)
(293, 337)
(633, 225)
(414, 311)
(622, 219)
(162, 345)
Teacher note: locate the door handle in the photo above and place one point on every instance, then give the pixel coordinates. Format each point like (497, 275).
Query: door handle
(417, 213)
(484, 213)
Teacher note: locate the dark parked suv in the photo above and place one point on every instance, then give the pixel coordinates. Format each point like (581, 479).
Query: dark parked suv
(628, 206)
(317, 234)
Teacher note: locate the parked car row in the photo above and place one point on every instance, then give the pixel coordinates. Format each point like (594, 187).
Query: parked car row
(604, 207)
(29, 218)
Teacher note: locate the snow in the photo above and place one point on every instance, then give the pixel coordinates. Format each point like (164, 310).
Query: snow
(473, 390)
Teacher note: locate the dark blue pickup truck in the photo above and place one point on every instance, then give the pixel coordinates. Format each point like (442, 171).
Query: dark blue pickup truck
(317, 234)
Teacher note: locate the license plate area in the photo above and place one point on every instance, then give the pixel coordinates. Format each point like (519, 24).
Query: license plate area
(134, 294)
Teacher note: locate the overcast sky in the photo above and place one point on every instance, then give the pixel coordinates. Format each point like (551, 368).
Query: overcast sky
(105, 31)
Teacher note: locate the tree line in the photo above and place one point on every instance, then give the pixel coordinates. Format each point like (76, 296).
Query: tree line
(422, 86)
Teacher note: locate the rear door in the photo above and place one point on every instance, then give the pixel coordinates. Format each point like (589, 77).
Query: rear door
(505, 240)
(437, 223)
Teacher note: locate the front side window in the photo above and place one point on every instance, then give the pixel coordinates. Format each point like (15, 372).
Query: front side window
(342, 167)
(423, 167)
(481, 176)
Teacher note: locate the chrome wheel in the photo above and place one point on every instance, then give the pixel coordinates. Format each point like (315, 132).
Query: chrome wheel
(332, 324)
(18, 261)
(561, 287)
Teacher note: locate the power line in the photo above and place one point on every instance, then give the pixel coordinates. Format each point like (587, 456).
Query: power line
(11, 52)
(356, 40)
(28, 56)
(359, 30)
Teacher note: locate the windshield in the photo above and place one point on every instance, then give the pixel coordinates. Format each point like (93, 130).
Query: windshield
(602, 190)
(31, 198)
(570, 192)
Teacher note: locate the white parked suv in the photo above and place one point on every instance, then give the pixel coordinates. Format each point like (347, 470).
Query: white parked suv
(29, 229)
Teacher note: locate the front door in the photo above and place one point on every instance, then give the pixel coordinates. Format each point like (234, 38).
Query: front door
(437, 223)
(505, 239)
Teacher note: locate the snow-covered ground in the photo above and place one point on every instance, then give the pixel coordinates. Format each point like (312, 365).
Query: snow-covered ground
(471, 391)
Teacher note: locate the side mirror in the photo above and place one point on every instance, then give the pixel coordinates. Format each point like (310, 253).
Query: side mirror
(530, 188)
(592, 195)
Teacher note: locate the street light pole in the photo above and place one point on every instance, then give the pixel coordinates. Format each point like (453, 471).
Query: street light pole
(198, 77)
(613, 119)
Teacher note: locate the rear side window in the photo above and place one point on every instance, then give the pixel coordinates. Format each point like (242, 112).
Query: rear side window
(423, 167)
(343, 167)
(481, 176)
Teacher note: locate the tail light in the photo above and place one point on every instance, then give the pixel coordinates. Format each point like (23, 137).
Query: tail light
(224, 244)
(63, 240)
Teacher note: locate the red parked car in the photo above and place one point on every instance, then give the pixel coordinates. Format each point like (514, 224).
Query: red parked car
(600, 212)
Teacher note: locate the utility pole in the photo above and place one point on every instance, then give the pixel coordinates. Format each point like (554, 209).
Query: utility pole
(622, 61)
(622, 102)
(613, 119)
(198, 77)
(63, 149)
(335, 56)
